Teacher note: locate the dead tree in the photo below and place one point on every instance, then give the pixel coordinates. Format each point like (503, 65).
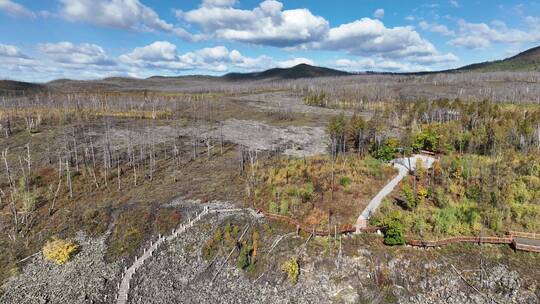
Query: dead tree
(75, 150)
(28, 159)
(176, 162)
(8, 171)
(118, 171)
(208, 143)
(68, 177)
(221, 138)
(51, 208)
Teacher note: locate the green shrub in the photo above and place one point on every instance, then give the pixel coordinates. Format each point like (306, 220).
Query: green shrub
(393, 235)
(273, 208)
(345, 181)
(427, 139)
(28, 200)
(410, 197)
(445, 221)
(284, 207)
(388, 150)
(440, 198)
(306, 193)
(243, 258)
(419, 225)
(520, 193)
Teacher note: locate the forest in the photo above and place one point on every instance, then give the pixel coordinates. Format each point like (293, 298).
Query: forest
(487, 178)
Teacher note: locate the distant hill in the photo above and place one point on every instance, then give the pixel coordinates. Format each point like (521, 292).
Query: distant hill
(525, 61)
(299, 71)
(19, 87)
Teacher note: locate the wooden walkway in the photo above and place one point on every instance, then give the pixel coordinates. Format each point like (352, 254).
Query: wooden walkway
(127, 275)
(404, 166)
(519, 240)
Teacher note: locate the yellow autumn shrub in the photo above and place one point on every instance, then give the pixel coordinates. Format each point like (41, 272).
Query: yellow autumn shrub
(292, 269)
(59, 251)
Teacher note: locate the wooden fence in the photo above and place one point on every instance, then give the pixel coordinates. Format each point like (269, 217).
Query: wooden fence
(343, 229)
(526, 235)
(466, 239)
(509, 240)
(524, 247)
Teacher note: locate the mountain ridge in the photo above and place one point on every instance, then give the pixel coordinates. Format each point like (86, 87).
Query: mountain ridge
(528, 60)
(298, 71)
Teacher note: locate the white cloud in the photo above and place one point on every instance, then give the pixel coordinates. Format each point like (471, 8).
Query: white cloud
(294, 61)
(127, 14)
(435, 59)
(390, 65)
(379, 13)
(436, 28)
(270, 24)
(368, 64)
(482, 35)
(454, 3)
(15, 9)
(267, 24)
(164, 55)
(369, 37)
(60, 60)
(157, 51)
(12, 51)
(71, 54)
(218, 3)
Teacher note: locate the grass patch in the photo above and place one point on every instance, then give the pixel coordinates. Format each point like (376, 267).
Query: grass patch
(317, 191)
(129, 232)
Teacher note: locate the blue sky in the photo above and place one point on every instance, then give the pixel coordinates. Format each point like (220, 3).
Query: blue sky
(88, 39)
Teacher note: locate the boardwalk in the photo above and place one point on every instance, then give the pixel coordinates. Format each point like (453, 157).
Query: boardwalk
(526, 244)
(404, 165)
(123, 287)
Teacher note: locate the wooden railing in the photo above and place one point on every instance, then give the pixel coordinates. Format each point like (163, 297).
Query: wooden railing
(527, 235)
(412, 242)
(524, 247)
(463, 239)
(343, 229)
(510, 239)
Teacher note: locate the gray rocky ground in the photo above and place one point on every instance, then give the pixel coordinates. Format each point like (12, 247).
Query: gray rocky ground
(295, 140)
(286, 102)
(87, 278)
(178, 274)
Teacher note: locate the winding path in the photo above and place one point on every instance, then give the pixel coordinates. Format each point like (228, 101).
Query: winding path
(124, 285)
(404, 166)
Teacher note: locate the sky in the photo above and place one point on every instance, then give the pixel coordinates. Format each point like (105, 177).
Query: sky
(91, 39)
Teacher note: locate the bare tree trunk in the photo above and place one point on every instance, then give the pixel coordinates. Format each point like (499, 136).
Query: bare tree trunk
(23, 173)
(28, 159)
(221, 138)
(333, 173)
(51, 208)
(8, 127)
(8, 171)
(118, 171)
(76, 150)
(208, 146)
(176, 164)
(68, 175)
